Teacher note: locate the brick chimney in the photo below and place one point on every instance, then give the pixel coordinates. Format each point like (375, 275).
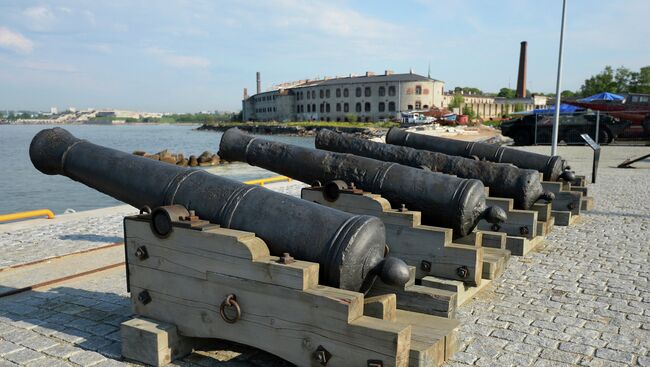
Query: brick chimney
(521, 78)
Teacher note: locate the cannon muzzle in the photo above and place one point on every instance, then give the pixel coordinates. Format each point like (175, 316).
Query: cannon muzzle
(504, 180)
(444, 200)
(550, 166)
(349, 248)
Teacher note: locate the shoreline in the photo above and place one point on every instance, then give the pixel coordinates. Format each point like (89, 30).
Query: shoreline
(267, 129)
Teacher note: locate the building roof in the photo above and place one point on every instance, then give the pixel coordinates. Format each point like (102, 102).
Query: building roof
(406, 77)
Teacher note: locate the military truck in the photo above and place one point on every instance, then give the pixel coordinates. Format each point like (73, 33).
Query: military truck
(538, 128)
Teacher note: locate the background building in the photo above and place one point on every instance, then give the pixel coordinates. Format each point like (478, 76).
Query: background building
(364, 98)
(494, 107)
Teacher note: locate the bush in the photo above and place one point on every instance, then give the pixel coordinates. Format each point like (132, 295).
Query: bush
(351, 118)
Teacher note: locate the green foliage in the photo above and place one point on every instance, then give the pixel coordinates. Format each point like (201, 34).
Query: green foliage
(467, 90)
(621, 80)
(519, 107)
(567, 94)
(507, 93)
(469, 111)
(456, 101)
(351, 117)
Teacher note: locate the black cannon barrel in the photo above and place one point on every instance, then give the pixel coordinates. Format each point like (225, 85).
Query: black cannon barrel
(504, 180)
(551, 166)
(444, 200)
(349, 248)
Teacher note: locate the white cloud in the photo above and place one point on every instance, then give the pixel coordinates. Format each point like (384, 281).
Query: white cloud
(39, 18)
(48, 67)
(15, 41)
(180, 61)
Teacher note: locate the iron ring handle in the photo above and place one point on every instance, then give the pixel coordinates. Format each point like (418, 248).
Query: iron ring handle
(230, 301)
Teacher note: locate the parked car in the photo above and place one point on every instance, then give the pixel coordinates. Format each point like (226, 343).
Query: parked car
(522, 129)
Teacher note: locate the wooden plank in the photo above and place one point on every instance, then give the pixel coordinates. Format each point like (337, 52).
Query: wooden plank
(426, 326)
(184, 253)
(522, 223)
(272, 319)
(417, 298)
(562, 218)
(587, 203)
(543, 211)
(153, 343)
(497, 260)
(464, 293)
(564, 200)
(429, 249)
(382, 307)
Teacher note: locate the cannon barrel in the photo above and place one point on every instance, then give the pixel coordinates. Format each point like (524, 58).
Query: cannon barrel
(349, 248)
(504, 180)
(444, 200)
(551, 166)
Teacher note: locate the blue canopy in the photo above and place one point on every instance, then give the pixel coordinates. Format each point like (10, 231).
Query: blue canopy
(564, 109)
(605, 96)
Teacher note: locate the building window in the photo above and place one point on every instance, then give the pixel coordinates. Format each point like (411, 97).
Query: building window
(327, 107)
(313, 107)
(358, 105)
(391, 105)
(382, 91)
(338, 107)
(367, 92)
(426, 107)
(321, 93)
(338, 92)
(308, 95)
(382, 106)
(346, 93)
(346, 107)
(313, 94)
(418, 105)
(409, 107)
(308, 107)
(418, 89)
(366, 107)
(327, 93)
(322, 107)
(391, 91)
(357, 92)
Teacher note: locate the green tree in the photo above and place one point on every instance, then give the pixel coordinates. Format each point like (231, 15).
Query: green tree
(621, 80)
(567, 94)
(456, 101)
(519, 107)
(469, 111)
(642, 82)
(467, 90)
(507, 93)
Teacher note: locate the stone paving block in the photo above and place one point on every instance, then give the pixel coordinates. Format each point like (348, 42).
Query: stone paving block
(87, 358)
(63, 351)
(39, 343)
(7, 347)
(23, 356)
(577, 348)
(614, 355)
(49, 362)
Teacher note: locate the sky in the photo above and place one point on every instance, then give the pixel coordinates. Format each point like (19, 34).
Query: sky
(187, 56)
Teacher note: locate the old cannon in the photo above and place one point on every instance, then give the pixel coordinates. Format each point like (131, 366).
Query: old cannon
(349, 248)
(444, 200)
(504, 180)
(553, 167)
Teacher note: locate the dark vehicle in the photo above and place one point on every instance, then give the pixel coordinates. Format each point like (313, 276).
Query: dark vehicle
(523, 129)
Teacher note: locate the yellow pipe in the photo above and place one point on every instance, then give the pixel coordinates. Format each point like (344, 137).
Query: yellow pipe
(28, 214)
(263, 181)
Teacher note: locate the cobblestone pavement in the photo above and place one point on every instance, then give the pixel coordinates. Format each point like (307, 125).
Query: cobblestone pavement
(583, 299)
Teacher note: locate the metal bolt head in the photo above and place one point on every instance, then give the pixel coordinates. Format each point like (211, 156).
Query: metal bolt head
(402, 208)
(524, 230)
(462, 272)
(141, 253)
(425, 265)
(144, 297)
(571, 206)
(375, 363)
(286, 259)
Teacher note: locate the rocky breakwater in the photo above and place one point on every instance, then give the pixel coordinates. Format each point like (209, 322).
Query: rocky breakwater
(309, 130)
(206, 158)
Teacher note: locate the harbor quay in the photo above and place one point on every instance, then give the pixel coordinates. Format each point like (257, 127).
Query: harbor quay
(582, 298)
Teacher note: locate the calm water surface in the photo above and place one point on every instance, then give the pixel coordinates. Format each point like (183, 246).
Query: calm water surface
(22, 187)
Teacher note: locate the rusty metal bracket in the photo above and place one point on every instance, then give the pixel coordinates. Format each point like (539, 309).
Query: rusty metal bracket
(286, 259)
(230, 301)
(462, 272)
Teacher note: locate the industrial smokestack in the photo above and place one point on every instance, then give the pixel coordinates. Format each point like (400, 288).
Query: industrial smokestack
(259, 83)
(521, 79)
